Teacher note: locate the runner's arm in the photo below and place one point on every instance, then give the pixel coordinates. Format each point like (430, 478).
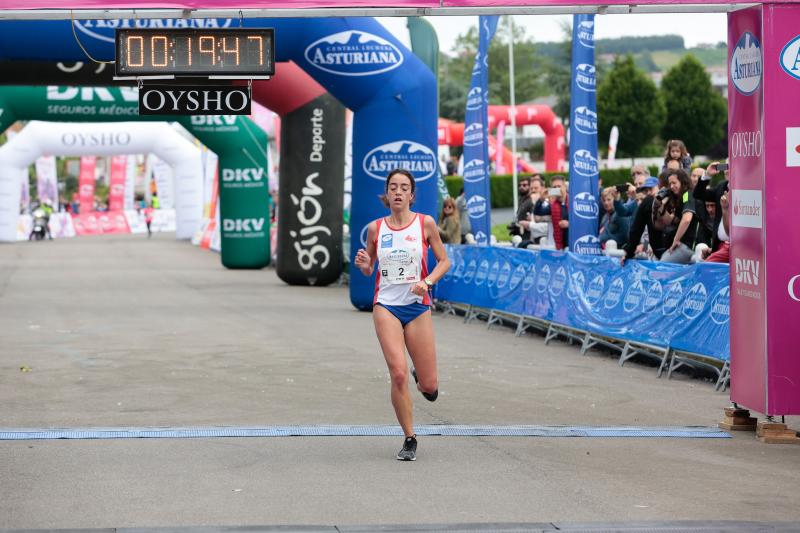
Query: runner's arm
(435, 242)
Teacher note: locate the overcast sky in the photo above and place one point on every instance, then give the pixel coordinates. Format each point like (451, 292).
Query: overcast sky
(694, 27)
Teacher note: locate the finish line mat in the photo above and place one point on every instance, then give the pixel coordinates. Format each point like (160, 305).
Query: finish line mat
(682, 432)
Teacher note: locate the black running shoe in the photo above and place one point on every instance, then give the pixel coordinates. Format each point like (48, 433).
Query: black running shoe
(430, 396)
(409, 451)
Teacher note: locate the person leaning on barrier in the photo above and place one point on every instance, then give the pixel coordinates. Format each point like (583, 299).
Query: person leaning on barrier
(533, 226)
(643, 222)
(679, 208)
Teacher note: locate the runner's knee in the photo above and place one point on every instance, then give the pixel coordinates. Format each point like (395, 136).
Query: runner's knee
(399, 377)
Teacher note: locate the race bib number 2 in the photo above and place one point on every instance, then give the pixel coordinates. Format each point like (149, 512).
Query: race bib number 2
(400, 267)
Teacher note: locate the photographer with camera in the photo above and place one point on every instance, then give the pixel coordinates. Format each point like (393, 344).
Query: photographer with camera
(643, 222)
(678, 214)
(720, 238)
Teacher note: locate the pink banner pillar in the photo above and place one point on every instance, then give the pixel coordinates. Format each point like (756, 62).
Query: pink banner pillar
(764, 151)
(116, 183)
(86, 183)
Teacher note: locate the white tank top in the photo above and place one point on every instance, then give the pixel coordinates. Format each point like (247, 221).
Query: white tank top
(402, 262)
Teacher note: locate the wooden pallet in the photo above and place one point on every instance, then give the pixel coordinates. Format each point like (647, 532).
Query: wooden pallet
(776, 433)
(738, 420)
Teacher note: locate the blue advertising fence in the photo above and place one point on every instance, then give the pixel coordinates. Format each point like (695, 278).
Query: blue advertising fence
(681, 307)
(584, 166)
(476, 146)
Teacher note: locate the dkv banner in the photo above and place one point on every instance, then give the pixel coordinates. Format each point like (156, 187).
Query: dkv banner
(476, 144)
(584, 168)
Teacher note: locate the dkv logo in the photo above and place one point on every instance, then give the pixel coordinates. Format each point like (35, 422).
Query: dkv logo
(476, 206)
(238, 175)
(586, 33)
(475, 170)
(695, 301)
(586, 77)
(585, 205)
(354, 53)
(585, 120)
(408, 155)
(243, 225)
(790, 58)
(746, 64)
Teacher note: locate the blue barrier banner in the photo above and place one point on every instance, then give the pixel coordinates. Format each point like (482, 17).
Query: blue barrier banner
(682, 307)
(584, 165)
(476, 144)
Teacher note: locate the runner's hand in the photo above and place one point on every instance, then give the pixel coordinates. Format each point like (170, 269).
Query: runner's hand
(362, 261)
(419, 288)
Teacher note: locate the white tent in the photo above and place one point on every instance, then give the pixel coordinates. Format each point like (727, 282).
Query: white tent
(102, 138)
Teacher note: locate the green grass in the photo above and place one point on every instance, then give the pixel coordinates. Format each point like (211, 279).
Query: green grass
(500, 232)
(710, 57)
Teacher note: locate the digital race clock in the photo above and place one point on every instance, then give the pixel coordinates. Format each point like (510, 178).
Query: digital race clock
(229, 52)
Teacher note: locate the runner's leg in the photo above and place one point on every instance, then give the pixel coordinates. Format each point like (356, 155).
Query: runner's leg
(422, 349)
(390, 336)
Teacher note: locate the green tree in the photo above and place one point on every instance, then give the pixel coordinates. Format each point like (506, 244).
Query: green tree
(559, 73)
(628, 99)
(696, 113)
(456, 71)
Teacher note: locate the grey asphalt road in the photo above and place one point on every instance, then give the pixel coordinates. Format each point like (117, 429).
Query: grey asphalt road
(125, 331)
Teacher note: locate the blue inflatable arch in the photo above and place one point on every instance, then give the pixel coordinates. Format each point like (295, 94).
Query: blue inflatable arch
(391, 92)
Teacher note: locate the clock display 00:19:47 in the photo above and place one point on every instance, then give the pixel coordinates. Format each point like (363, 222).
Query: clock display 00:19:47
(198, 52)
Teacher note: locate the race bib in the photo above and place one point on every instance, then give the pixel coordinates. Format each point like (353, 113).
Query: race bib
(399, 266)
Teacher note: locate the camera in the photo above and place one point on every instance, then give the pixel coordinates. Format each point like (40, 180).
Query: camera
(622, 188)
(514, 229)
(662, 194)
(722, 167)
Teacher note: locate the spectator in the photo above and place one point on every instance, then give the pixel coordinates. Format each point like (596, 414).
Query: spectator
(679, 214)
(559, 212)
(523, 192)
(533, 227)
(695, 176)
(449, 224)
(643, 221)
(461, 207)
(705, 228)
(676, 151)
(639, 173)
(613, 226)
(714, 195)
(722, 255)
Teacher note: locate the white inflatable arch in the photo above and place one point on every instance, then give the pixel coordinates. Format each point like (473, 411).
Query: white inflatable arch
(102, 138)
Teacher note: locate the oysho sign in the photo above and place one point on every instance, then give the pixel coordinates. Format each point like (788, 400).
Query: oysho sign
(354, 53)
(171, 100)
(408, 155)
(746, 64)
(110, 139)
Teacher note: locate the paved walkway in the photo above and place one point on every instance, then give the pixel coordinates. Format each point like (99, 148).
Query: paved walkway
(125, 331)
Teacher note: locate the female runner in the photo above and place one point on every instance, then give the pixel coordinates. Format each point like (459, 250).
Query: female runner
(401, 310)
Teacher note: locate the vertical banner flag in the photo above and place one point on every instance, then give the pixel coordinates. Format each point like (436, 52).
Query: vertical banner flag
(584, 168)
(116, 183)
(86, 183)
(476, 130)
(130, 181)
(162, 175)
(46, 180)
